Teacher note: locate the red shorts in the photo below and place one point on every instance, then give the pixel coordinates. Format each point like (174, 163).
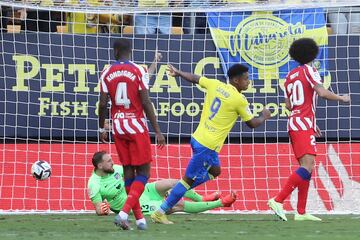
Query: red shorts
(133, 149)
(303, 142)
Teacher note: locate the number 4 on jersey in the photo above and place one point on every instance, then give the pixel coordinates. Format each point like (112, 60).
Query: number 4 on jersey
(121, 98)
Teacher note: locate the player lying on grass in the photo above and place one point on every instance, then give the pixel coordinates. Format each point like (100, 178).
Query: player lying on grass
(106, 191)
(223, 104)
(302, 86)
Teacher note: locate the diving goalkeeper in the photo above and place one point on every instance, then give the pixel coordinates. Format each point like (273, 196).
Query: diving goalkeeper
(107, 192)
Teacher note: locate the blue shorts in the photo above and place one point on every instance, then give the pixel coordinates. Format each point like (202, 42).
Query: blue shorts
(203, 158)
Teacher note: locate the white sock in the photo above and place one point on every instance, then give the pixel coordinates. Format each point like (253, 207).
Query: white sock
(123, 215)
(142, 220)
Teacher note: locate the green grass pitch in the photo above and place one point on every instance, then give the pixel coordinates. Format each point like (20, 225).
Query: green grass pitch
(198, 227)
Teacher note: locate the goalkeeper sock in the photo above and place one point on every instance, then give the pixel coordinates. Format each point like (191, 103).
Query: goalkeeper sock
(191, 194)
(137, 188)
(196, 207)
(293, 182)
(175, 195)
(303, 192)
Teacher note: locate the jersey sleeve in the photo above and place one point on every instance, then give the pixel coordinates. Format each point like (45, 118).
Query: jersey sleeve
(313, 76)
(285, 85)
(207, 83)
(243, 110)
(144, 78)
(103, 86)
(94, 192)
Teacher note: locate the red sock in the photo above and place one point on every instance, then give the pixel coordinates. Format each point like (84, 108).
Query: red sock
(302, 195)
(127, 189)
(137, 208)
(137, 188)
(137, 211)
(292, 182)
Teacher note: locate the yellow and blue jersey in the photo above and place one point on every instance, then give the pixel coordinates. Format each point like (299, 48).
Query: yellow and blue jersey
(223, 104)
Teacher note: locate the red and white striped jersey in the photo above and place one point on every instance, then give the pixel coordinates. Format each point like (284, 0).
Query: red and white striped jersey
(299, 89)
(123, 81)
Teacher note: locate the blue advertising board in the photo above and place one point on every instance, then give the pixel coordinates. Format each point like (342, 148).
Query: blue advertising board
(49, 86)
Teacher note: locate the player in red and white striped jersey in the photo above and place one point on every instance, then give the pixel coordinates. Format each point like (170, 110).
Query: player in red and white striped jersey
(302, 87)
(127, 85)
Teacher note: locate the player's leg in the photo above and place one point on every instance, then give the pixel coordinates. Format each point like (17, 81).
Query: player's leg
(303, 144)
(143, 174)
(165, 185)
(210, 164)
(196, 173)
(121, 219)
(122, 147)
(197, 207)
(307, 163)
(139, 180)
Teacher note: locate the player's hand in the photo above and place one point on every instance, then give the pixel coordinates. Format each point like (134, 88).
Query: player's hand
(160, 140)
(105, 208)
(345, 98)
(318, 132)
(174, 72)
(107, 125)
(158, 57)
(266, 113)
(103, 136)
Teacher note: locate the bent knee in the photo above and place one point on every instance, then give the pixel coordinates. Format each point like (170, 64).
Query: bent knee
(215, 171)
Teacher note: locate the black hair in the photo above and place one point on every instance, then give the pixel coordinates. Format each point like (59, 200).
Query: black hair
(237, 70)
(98, 158)
(304, 50)
(122, 47)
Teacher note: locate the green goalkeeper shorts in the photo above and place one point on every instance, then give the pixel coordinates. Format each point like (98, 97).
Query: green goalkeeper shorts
(150, 200)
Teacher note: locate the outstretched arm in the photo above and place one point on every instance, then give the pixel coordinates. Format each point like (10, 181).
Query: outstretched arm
(255, 122)
(153, 66)
(174, 72)
(324, 93)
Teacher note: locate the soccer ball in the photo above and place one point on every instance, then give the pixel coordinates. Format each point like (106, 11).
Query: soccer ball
(41, 170)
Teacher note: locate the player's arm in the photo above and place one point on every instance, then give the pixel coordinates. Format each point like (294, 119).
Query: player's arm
(102, 116)
(153, 65)
(324, 93)
(246, 116)
(174, 72)
(287, 101)
(150, 114)
(257, 121)
(102, 208)
(287, 104)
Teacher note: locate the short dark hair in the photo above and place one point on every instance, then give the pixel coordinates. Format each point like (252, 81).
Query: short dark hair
(98, 158)
(237, 70)
(304, 50)
(122, 46)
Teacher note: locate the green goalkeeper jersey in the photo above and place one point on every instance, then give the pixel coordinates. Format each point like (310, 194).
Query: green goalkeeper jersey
(110, 187)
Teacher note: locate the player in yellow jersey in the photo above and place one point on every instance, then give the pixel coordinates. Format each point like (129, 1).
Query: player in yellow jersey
(222, 106)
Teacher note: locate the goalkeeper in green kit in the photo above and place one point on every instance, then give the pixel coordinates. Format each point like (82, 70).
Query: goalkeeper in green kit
(107, 192)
